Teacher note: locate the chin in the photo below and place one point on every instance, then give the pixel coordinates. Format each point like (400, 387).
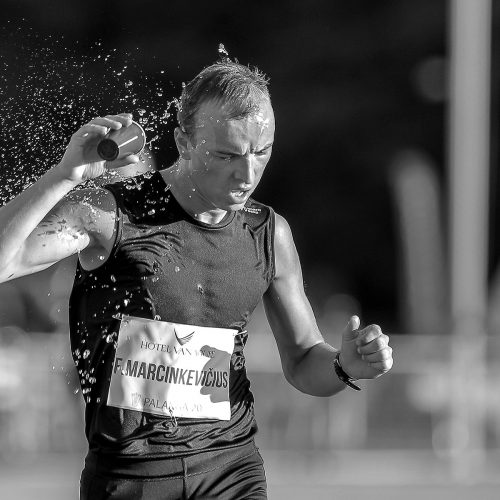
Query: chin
(234, 207)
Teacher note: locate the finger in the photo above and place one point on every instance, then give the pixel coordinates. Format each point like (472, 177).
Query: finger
(375, 357)
(124, 118)
(351, 330)
(375, 345)
(123, 162)
(382, 366)
(111, 122)
(122, 115)
(91, 130)
(368, 334)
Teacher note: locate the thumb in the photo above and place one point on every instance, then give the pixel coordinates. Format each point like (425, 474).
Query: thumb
(350, 332)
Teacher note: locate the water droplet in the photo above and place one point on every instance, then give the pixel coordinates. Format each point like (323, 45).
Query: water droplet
(222, 50)
(112, 278)
(177, 269)
(200, 289)
(109, 338)
(157, 317)
(86, 353)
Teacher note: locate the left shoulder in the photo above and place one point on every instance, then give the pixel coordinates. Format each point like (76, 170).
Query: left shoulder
(283, 232)
(287, 259)
(257, 214)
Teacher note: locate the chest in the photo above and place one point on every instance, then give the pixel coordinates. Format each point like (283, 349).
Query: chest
(194, 274)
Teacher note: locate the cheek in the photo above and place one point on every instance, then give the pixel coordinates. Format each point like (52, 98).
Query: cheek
(211, 176)
(202, 161)
(261, 167)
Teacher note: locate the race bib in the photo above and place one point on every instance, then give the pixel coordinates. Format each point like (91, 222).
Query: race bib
(172, 369)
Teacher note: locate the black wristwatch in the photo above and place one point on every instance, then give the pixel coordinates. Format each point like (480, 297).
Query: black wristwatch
(342, 375)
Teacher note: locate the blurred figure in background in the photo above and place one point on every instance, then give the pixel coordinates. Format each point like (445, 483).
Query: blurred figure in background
(176, 261)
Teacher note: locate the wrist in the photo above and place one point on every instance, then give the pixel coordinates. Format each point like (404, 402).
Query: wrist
(342, 374)
(61, 175)
(342, 364)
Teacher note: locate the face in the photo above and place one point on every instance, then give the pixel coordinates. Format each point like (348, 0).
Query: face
(227, 157)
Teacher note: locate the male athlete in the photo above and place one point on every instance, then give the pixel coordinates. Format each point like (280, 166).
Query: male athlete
(171, 266)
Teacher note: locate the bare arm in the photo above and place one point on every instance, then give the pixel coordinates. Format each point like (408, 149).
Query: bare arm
(20, 218)
(82, 222)
(45, 224)
(306, 358)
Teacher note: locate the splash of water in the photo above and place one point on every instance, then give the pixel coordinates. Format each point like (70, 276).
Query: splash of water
(49, 87)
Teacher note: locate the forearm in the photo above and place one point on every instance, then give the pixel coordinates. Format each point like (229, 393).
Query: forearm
(21, 216)
(314, 373)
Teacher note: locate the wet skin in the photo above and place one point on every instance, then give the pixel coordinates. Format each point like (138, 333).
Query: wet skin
(222, 164)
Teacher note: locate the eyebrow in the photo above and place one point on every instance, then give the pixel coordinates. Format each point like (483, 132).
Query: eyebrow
(226, 151)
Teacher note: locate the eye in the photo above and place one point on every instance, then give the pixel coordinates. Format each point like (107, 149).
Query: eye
(222, 156)
(263, 152)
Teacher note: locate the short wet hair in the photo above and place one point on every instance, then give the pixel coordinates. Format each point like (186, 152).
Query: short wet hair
(239, 88)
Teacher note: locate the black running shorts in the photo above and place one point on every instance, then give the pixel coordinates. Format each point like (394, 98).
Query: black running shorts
(231, 474)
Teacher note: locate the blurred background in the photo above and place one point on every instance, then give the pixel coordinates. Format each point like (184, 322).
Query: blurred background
(385, 167)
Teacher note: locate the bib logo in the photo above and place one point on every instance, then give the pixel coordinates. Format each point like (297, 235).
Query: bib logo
(184, 340)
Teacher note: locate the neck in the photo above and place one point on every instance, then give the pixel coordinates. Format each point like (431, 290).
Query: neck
(188, 197)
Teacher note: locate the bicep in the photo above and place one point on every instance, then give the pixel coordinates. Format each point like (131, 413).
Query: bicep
(288, 309)
(70, 227)
(58, 236)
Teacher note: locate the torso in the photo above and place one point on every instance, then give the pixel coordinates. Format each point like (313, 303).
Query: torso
(167, 266)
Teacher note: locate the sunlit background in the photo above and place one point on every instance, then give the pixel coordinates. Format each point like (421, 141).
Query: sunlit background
(384, 165)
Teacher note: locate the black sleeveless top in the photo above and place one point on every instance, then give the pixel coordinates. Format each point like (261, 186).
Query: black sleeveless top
(168, 266)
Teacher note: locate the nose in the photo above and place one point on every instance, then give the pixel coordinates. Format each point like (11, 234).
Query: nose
(245, 169)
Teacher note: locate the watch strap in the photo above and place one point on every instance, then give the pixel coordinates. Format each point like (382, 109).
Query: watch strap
(342, 375)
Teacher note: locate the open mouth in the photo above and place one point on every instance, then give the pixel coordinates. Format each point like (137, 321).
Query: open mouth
(240, 193)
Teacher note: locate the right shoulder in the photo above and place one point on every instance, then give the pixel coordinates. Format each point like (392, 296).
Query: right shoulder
(92, 209)
(97, 198)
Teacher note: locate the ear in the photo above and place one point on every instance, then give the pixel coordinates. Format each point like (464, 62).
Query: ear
(182, 143)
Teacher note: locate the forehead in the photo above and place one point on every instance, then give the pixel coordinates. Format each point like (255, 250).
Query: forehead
(212, 124)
